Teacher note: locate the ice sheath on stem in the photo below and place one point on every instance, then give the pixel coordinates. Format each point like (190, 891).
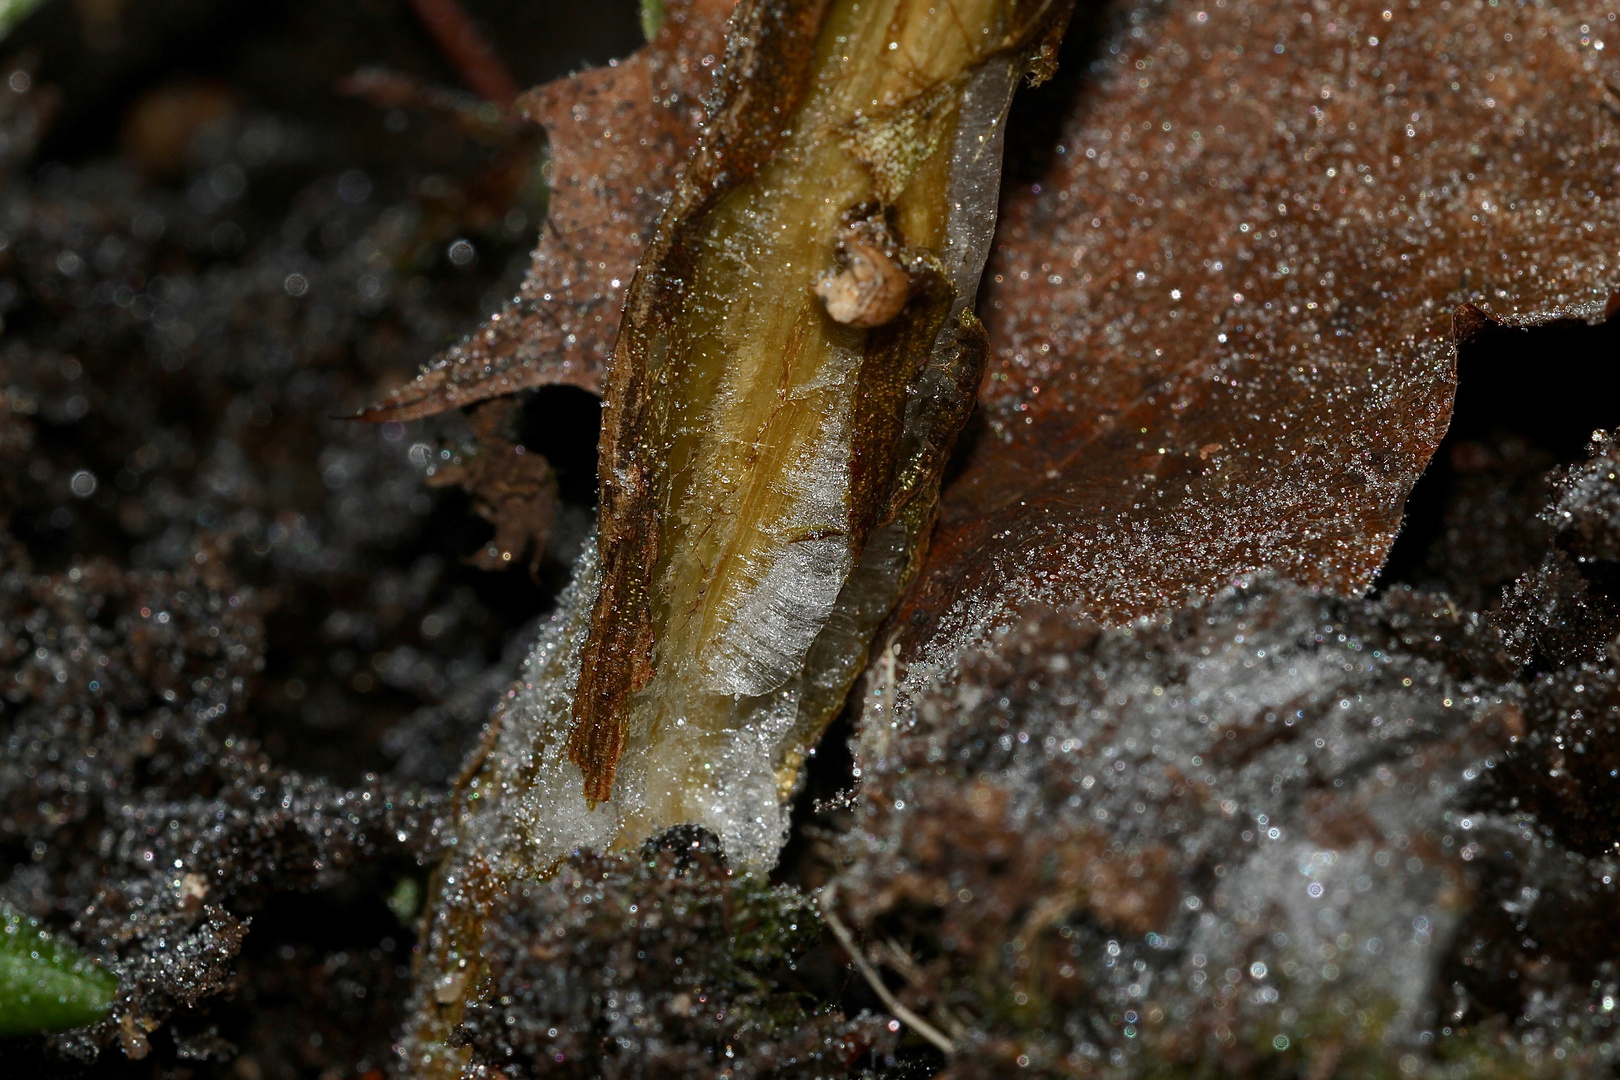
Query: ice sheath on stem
(797, 355)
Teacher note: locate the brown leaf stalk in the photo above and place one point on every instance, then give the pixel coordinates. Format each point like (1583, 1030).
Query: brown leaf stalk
(754, 442)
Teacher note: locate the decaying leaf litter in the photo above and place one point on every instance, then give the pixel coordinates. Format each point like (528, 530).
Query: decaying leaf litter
(1122, 925)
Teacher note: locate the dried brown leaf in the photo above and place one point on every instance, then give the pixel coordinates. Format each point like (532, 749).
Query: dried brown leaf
(513, 489)
(618, 136)
(1223, 322)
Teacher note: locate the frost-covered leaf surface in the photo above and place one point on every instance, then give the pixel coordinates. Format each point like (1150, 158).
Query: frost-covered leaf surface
(618, 136)
(1222, 317)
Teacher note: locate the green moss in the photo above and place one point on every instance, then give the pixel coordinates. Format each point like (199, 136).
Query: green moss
(46, 985)
(771, 924)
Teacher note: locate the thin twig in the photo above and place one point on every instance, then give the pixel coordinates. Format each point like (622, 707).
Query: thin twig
(892, 1003)
(903, 965)
(468, 51)
(906, 967)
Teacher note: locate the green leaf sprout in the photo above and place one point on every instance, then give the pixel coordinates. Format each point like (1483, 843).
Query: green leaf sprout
(46, 984)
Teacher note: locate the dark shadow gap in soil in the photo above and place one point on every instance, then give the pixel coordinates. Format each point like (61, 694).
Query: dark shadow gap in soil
(101, 69)
(1035, 123)
(564, 423)
(1527, 399)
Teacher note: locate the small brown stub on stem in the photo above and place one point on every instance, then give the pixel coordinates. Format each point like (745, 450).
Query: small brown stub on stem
(871, 288)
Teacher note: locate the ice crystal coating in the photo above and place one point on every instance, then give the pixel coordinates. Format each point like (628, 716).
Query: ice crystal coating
(1267, 831)
(530, 811)
(1220, 306)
